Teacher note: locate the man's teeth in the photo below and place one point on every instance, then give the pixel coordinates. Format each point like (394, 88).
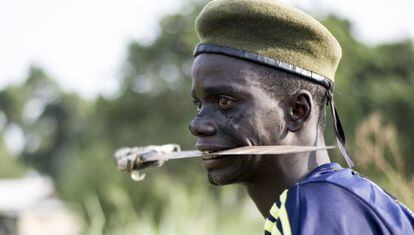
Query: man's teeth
(208, 154)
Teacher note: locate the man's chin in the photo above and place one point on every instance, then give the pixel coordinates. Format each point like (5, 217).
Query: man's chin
(218, 180)
(223, 177)
(228, 170)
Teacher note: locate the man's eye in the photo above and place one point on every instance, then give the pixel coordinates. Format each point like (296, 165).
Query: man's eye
(225, 102)
(197, 104)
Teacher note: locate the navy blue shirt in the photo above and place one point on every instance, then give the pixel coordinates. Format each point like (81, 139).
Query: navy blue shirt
(335, 200)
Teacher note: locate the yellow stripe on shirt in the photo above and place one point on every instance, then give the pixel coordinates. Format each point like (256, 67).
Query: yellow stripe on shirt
(268, 225)
(284, 218)
(281, 215)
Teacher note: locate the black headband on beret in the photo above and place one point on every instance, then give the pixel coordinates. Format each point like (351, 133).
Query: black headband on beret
(277, 64)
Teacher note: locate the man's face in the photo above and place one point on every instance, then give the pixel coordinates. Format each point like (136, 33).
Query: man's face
(233, 110)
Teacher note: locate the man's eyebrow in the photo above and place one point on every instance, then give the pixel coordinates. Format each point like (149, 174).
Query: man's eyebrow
(223, 89)
(220, 89)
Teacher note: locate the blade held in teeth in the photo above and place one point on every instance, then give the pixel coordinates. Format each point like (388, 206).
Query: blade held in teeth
(175, 155)
(280, 149)
(247, 150)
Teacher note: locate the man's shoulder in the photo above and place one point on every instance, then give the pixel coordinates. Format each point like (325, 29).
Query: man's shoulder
(339, 194)
(332, 178)
(335, 178)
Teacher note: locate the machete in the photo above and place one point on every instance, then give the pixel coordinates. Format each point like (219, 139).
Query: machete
(138, 158)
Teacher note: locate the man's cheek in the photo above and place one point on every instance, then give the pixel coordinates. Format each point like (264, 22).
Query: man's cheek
(268, 125)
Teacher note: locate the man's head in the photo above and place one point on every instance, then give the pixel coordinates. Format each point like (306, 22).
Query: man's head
(260, 77)
(242, 103)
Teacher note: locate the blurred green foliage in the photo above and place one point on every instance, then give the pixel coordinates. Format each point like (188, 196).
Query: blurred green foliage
(72, 139)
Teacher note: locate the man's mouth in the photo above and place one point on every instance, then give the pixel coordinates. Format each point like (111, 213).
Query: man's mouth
(211, 150)
(210, 154)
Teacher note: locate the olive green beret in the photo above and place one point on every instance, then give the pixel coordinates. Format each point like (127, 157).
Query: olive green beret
(270, 33)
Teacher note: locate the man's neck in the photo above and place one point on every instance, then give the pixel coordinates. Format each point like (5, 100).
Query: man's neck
(282, 175)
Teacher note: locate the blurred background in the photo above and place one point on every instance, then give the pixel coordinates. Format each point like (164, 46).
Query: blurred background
(79, 79)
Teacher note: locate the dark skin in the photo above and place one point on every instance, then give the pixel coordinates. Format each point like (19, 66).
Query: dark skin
(234, 110)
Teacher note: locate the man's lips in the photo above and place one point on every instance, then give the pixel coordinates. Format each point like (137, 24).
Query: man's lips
(212, 161)
(209, 150)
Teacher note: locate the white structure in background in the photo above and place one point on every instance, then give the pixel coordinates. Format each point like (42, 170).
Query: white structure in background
(28, 206)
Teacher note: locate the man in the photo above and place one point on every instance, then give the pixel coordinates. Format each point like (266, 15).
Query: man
(262, 75)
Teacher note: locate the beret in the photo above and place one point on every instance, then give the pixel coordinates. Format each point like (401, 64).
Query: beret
(270, 33)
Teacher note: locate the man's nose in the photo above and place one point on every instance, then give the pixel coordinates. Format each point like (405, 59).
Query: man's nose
(202, 126)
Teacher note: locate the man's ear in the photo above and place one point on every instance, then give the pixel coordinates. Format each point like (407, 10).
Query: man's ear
(299, 110)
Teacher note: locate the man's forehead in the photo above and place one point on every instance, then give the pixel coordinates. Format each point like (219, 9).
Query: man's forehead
(217, 84)
(216, 64)
(217, 74)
